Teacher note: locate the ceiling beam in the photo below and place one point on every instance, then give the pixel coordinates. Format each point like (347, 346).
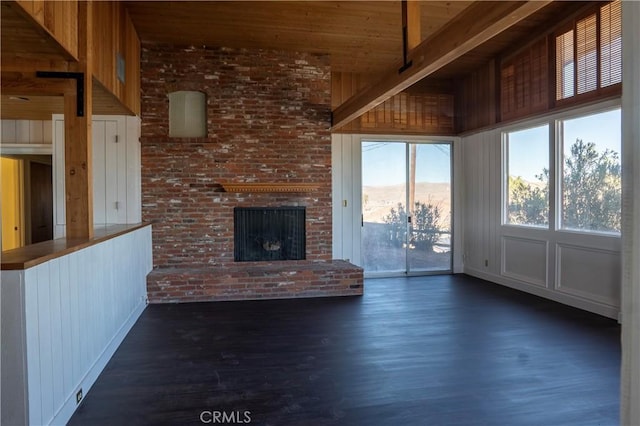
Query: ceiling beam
(27, 84)
(78, 157)
(17, 64)
(475, 25)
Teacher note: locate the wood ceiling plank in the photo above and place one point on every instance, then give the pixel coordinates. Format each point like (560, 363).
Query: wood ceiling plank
(473, 27)
(360, 37)
(33, 108)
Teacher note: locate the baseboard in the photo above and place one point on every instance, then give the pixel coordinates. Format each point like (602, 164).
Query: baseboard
(69, 407)
(576, 302)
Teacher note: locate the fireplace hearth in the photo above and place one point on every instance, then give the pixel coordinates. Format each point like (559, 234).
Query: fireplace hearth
(269, 233)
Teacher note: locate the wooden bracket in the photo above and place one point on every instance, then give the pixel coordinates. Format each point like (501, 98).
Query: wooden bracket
(78, 77)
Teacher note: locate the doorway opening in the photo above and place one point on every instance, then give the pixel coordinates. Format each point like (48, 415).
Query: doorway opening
(27, 200)
(406, 207)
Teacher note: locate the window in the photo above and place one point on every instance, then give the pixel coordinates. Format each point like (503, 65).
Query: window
(590, 169)
(589, 55)
(527, 171)
(587, 183)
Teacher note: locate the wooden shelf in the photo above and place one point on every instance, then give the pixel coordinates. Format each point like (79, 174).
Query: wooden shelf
(270, 187)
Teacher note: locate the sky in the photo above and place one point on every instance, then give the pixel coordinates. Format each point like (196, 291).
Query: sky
(529, 148)
(384, 163)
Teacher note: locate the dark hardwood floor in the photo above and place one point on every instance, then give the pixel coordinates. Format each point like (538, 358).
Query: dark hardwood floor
(439, 350)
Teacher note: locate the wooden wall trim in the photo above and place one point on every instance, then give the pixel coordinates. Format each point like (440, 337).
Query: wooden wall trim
(428, 111)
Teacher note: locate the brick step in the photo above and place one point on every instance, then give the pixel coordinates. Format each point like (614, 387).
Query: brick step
(255, 280)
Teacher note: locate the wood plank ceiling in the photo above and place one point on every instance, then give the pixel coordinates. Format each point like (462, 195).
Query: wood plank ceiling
(361, 37)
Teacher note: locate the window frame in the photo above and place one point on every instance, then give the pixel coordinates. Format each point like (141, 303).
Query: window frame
(559, 144)
(504, 141)
(556, 158)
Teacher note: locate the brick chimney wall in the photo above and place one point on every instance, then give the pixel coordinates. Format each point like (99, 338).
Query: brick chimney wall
(268, 119)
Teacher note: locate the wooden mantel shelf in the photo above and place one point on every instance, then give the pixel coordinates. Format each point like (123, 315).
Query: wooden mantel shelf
(270, 187)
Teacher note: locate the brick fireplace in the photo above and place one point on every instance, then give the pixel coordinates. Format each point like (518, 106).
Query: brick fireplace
(268, 118)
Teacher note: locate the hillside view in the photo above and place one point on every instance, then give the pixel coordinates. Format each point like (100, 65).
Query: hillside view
(377, 201)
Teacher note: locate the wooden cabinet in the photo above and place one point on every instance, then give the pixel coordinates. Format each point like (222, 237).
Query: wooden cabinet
(116, 171)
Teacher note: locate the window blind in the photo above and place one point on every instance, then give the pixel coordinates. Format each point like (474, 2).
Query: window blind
(611, 44)
(565, 67)
(587, 54)
(589, 57)
(523, 81)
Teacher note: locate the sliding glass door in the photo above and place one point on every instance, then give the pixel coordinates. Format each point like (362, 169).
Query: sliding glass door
(406, 207)
(384, 197)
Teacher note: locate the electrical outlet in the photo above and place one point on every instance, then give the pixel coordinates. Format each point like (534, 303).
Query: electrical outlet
(79, 396)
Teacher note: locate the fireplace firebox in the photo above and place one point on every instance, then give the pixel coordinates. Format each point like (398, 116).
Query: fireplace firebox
(269, 233)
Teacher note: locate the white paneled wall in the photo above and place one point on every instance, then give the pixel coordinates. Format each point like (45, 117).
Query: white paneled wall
(582, 270)
(65, 318)
(26, 132)
(347, 197)
(481, 216)
(116, 171)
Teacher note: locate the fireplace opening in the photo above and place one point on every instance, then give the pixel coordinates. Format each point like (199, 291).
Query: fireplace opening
(269, 233)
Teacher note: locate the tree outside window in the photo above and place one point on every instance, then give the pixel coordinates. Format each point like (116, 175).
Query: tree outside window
(528, 177)
(589, 177)
(591, 193)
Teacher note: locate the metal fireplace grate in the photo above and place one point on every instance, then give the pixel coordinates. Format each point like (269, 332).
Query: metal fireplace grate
(269, 233)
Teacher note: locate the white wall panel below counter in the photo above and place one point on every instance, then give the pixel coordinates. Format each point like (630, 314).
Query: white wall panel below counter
(63, 319)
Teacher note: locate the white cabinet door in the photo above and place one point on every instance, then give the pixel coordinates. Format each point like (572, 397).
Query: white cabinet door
(107, 173)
